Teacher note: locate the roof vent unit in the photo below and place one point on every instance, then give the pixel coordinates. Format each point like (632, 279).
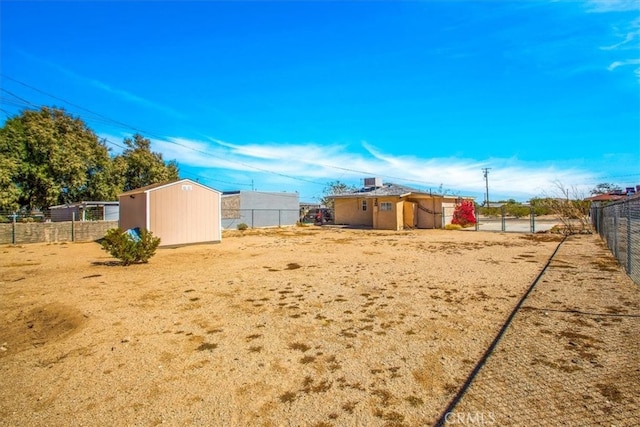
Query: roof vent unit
(372, 182)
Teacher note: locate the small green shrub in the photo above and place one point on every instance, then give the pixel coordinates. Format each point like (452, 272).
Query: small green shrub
(242, 226)
(518, 211)
(130, 247)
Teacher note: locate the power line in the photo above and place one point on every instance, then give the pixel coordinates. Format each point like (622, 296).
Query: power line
(161, 138)
(118, 123)
(70, 103)
(21, 99)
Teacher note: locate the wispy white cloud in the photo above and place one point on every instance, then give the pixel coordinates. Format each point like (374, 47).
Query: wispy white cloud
(617, 64)
(128, 96)
(281, 165)
(120, 93)
(627, 33)
(603, 6)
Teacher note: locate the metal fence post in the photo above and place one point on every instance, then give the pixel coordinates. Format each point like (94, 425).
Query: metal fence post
(504, 225)
(13, 230)
(477, 219)
(73, 226)
(615, 233)
(532, 219)
(252, 210)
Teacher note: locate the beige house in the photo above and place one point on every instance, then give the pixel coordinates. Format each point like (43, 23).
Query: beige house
(393, 207)
(179, 212)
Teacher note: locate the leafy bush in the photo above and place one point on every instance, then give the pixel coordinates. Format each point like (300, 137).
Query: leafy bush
(517, 210)
(130, 246)
(463, 214)
(489, 212)
(242, 226)
(540, 206)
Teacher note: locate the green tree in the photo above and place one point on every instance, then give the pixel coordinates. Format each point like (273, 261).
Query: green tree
(49, 157)
(9, 190)
(335, 188)
(138, 166)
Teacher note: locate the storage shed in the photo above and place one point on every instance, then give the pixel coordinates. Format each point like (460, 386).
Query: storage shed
(179, 213)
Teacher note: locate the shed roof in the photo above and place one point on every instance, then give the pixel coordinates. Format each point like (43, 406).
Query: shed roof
(157, 186)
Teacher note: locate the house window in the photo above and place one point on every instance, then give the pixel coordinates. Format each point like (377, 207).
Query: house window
(364, 205)
(385, 206)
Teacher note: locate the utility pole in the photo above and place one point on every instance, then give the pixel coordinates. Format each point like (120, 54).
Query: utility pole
(486, 179)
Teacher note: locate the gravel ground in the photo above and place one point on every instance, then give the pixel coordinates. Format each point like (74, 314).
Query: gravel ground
(317, 327)
(571, 356)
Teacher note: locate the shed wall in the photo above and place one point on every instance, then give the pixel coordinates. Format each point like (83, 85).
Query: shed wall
(184, 213)
(133, 211)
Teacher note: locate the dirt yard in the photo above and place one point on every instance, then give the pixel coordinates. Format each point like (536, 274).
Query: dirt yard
(303, 326)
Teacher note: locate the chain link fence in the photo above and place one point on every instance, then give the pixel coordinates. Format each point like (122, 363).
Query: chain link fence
(258, 218)
(618, 224)
(7, 217)
(527, 222)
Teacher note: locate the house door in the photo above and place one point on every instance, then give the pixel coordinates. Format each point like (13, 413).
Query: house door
(410, 214)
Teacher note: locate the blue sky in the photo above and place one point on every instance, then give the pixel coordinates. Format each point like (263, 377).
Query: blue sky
(292, 95)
